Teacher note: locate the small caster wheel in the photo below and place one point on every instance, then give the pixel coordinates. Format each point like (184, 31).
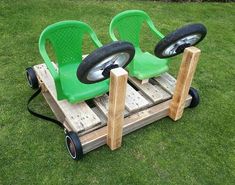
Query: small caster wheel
(73, 145)
(195, 97)
(32, 78)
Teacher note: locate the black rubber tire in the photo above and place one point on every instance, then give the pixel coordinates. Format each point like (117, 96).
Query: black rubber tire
(99, 55)
(195, 97)
(178, 34)
(73, 145)
(32, 78)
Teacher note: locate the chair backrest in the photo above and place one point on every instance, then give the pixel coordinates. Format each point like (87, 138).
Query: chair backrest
(128, 24)
(66, 38)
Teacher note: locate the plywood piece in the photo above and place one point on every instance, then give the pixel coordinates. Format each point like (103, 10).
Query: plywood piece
(155, 93)
(117, 96)
(79, 116)
(138, 120)
(184, 79)
(167, 82)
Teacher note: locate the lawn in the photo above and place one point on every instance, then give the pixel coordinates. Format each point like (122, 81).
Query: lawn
(197, 149)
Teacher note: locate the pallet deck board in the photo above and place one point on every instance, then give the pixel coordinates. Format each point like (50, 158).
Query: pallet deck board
(154, 92)
(133, 122)
(102, 103)
(167, 82)
(134, 100)
(74, 113)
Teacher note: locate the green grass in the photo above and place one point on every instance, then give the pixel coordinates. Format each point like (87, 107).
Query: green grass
(197, 149)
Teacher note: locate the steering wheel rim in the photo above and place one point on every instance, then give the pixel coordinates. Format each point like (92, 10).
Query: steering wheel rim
(97, 72)
(175, 42)
(97, 65)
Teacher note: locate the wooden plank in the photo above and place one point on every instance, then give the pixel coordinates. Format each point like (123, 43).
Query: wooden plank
(54, 107)
(100, 115)
(165, 95)
(103, 122)
(184, 79)
(167, 82)
(138, 120)
(169, 77)
(117, 94)
(154, 92)
(134, 101)
(79, 116)
(102, 103)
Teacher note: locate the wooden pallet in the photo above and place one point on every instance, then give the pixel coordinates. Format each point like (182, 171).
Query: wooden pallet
(85, 116)
(144, 104)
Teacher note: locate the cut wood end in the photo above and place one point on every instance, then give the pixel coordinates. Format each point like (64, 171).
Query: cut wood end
(144, 81)
(119, 71)
(193, 49)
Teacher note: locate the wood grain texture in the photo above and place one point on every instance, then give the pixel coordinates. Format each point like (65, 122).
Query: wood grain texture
(74, 113)
(133, 122)
(167, 82)
(117, 94)
(134, 102)
(184, 79)
(102, 103)
(92, 135)
(153, 91)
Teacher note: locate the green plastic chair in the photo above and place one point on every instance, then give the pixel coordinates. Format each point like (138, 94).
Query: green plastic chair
(66, 38)
(128, 25)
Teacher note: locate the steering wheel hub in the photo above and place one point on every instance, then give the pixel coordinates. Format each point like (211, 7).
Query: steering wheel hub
(107, 69)
(181, 47)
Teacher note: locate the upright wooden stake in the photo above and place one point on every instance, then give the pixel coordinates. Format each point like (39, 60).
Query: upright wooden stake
(184, 79)
(117, 94)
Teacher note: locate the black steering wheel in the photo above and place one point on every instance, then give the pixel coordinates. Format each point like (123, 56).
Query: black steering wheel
(175, 43)
(96, 66)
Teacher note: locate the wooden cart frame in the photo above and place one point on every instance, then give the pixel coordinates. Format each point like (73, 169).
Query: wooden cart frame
(129, 105)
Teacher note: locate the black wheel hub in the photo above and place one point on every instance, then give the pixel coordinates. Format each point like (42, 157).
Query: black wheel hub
(106, 72)
(71, 147)
(181, 48)
(29, 79)
(32, 78)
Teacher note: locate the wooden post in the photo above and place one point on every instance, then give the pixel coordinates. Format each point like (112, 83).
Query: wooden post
(183, 83)
(117, 94)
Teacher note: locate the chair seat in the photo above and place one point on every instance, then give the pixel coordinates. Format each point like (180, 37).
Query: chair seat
(74, 90)
(146, 65)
